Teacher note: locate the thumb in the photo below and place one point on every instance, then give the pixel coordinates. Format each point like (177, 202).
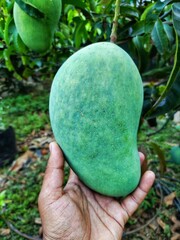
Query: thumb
(52, 187)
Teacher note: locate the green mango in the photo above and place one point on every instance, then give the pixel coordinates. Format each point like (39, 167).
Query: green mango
(37, 31)
(95, 106)
(175, 154)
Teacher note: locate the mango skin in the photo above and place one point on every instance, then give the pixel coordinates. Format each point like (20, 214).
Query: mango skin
(95, 106)
(37, 34)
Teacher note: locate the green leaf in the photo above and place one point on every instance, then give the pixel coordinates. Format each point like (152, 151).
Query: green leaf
(30, 10)
(170, 98)
(176, 17)
(6, 30)
(159, 37)
(142, 48)
(92, 4)
(171, 101)
(19, 45)
(153, 14)
(138, 28)
(169, 33)
(80, 31)
(130, 11)
(78, 4)
(2, 198)
(123, 31)
(158, 72)
(146, 11)
(106, 5)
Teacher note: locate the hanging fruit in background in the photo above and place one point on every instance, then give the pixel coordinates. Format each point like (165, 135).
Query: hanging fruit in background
(36, 22)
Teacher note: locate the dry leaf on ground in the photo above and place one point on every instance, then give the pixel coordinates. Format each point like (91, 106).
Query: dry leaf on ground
(4, 231)
(38, 221)
(21, 161)
(161, 223)
(168, 200)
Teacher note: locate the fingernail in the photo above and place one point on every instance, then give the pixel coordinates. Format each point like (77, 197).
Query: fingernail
(50, 146)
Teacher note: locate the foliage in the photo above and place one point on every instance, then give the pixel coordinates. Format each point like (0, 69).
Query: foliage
(170, 96)
(148, 30)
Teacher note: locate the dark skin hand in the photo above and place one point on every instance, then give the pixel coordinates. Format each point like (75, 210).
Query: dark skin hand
(77, 213)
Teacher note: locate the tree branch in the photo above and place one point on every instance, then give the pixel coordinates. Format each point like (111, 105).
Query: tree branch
(113, 36)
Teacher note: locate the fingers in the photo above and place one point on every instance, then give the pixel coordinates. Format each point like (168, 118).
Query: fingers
(142, 157)
(73, 177)
(144, 163)
(54, 175)
(132, 202)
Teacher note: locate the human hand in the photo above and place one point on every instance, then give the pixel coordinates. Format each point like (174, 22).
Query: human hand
(77, 213)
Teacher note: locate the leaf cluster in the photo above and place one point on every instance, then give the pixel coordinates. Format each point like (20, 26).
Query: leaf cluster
(148, 30)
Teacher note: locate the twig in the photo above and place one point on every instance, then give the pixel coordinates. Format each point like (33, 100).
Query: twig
(172, 179)
(160, 129)
(20, 233)
(140, 228)
(113, 36)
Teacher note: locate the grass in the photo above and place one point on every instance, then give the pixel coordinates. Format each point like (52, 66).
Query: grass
(19, 200)
(26, 113)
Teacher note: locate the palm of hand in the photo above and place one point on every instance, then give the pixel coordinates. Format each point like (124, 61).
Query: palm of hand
(76, 212)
